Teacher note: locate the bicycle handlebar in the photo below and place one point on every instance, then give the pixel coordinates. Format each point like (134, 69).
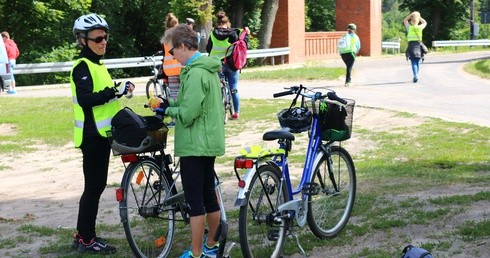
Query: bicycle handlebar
(333, 96)
(318, 95)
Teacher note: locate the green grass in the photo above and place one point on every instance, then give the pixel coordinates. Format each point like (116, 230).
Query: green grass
(305, 73)
(394, 182)
(480, 68)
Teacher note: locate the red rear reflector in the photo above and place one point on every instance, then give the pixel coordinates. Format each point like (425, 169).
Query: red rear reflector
(244, 163)
(129, 158)
(120, 194)
(241, 184)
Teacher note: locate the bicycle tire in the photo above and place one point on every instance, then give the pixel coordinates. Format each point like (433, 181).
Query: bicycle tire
(231, 104)
(255, 223)
(330, 210)
(224, 96)
(148, 226)
(155, 89)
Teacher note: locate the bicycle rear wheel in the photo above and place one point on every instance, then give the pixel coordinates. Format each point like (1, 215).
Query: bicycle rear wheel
(156, 89)
(330, 209)
(148, 225)
(260, 235)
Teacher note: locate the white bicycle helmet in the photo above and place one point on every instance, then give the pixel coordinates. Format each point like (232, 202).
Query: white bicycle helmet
(89, 22)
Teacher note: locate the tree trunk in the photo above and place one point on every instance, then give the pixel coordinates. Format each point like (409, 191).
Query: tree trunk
(268, 16)
(236, 15)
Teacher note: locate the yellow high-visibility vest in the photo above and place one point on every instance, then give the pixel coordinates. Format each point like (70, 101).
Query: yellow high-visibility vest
(103, 113)
(414, 33)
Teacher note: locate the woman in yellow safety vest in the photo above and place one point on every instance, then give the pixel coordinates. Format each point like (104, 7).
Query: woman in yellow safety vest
(95, 97)
(349, 50)
(220, 39)
(414, 24)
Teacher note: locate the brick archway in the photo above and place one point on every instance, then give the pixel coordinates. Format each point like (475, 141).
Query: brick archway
(289, 26)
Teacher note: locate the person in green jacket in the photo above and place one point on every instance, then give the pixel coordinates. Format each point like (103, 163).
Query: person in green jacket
(199, 134)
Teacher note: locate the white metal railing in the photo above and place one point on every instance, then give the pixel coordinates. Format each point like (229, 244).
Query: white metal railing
(393, 45)
(134, 62)
(460, 43)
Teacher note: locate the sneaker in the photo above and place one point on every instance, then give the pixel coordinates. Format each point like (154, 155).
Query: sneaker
(210, 252)
(415, 79)
(171, 124)
(96, 245)
(11, 91)
(189, 254)
(234, 116)
(347, 84)
(76, 241)
(77, 238)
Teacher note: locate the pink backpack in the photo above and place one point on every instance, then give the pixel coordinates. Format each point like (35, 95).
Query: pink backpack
(236, 54)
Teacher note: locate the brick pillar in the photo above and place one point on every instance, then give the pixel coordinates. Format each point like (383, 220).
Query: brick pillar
(289, 29)
(366, 14)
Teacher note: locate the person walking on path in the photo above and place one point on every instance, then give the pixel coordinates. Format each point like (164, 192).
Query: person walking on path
(220, 39)
(170, 66)
(95, 97)
(199, 135)
(12, 55)
(414, 24)
(349, 45)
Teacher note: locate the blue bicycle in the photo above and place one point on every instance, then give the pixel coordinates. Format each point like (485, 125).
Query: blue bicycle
(325, 195)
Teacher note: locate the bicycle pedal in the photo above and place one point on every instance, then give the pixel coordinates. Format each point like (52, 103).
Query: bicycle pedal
(311, 189)
(273, 235)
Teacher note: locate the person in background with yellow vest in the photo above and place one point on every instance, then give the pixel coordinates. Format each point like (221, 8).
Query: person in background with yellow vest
(220, 39)
(349, 52)
(414, 24)
(95, 97)
(170, 66)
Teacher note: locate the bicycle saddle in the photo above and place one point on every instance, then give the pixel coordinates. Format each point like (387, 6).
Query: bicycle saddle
(278, 134)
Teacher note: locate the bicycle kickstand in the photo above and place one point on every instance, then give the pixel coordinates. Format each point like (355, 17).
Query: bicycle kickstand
(226, 253)
(297, 243)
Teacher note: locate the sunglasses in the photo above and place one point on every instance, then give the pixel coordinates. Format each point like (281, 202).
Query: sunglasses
(99, 39)
(171, 51)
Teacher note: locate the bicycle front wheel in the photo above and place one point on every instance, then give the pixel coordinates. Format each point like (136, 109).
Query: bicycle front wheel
(155, 89)
(261, 235)
(330, 209)
(148, 225)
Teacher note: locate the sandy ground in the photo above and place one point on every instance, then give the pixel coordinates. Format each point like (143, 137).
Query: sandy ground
(42, 188)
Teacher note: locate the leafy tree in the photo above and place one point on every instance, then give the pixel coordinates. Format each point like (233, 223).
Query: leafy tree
(392, 25)
(320, 15)
(446, 19)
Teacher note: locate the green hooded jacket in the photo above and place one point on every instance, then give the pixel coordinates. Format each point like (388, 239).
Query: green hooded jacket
(199, 125)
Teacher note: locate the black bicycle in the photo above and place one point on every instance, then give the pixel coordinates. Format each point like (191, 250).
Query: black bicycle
(150, 198)
(227, 97)
(156, 86)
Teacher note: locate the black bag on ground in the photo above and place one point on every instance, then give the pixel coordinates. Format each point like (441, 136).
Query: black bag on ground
(130, 129)
(411, 251)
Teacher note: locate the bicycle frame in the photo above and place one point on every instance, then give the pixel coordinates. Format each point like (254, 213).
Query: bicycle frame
(313, 155)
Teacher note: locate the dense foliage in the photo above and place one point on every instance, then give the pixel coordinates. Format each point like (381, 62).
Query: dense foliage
(42, 29)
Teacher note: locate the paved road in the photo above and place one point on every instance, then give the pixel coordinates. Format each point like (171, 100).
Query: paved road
(444, 90)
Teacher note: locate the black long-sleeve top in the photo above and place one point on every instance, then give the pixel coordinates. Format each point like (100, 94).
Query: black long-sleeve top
(84, 85)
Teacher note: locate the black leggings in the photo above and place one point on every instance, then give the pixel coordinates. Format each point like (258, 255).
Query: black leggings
(198, 181)
(348, 59)
(96, 152)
